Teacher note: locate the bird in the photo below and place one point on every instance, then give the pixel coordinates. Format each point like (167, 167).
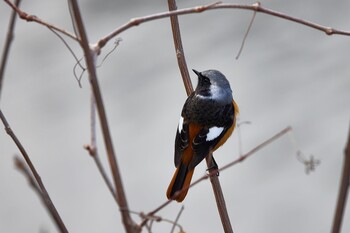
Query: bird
(207, 120)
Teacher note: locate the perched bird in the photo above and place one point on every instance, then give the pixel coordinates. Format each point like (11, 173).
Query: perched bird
(207, 120)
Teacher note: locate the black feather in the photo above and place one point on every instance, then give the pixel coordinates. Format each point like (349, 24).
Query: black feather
(180, 179)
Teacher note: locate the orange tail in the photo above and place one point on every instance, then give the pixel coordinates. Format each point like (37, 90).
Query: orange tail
(182, 178)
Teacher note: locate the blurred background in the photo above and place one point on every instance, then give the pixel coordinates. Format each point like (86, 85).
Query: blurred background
(287, 75)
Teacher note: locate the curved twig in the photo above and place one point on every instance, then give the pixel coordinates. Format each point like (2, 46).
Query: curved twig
(218, 5)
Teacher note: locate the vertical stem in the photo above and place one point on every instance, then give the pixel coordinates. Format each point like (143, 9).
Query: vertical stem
(343, 190)
(180, 55)
(129, 225)
(219, 197)
(9, 39)
(220, 201)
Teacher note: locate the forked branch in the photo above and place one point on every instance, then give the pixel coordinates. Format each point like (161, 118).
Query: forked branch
(90, 58)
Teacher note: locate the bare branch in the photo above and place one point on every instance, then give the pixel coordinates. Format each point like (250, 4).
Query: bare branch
(22, 167)
(343, 190)
(238, 129)
(219, 195)
(175, 223)
(220, 201)
(45, 196)
(33, 18)
(9, 39)
(218, 5)
(92, 147)
(68, 47)
(214, 172)
(90, 58)
(116, 44)
(246, 35)
(180, 54)
(152, 218)
(137, 21)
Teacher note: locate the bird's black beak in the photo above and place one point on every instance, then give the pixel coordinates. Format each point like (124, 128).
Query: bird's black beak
(196, 72)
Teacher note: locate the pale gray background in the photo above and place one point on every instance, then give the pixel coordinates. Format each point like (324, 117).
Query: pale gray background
(288, 74)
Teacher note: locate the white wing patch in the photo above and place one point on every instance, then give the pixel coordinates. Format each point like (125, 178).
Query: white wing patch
(213, 133)
(181, 121)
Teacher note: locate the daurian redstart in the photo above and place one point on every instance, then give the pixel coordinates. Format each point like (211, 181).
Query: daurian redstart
(207, 120)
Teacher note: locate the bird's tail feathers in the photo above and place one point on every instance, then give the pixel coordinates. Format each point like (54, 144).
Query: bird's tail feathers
(181, 179)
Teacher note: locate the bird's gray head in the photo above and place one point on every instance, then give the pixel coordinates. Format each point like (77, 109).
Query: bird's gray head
(212, 84)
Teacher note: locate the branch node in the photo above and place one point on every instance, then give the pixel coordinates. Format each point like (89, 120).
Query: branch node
(90, 149)
(23, 15)
(135, 21)
(329, 31)
(95, 49)
(257, 6)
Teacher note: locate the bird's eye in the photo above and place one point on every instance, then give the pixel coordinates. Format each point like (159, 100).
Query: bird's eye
(206, 80)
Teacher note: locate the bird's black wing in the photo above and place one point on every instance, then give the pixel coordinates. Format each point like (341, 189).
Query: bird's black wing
(209, 136)
(181, 142)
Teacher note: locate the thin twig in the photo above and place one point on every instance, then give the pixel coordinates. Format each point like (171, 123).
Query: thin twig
(177, 219)
(238, 126)
(152, 218)
(8, 42)
(68, 47)
(82, 72)
(33, 18)
(218, 5)
(116, 44)
(214, 172)
(92, 147)
(137, 21)
(45, 196)
(90, 58)
(22, 167)
(246, 35)
(343, 190)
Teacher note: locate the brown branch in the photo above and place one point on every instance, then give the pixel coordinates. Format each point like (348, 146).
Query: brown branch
(246, 35)
(219, 197)
(343, 190)
(218, 5)
(8, 42)
(90, 58)
(156, 218)
(214, 172)
(92, 147)
(45, 196)
(22, 167)
(175, 222)
(180, 54)
(32, 18)
(137, 21)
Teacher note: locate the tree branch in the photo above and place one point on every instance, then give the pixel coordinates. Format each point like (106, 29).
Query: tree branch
(343, 190)
(219, 197)
(218, 5)
(214, 172)
(8, 42)
(90, 58)
(92, 147)
(45, 196)
(32, 18)
(180, 54)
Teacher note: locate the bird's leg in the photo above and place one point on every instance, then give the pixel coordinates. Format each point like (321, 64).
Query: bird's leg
(213, 166)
